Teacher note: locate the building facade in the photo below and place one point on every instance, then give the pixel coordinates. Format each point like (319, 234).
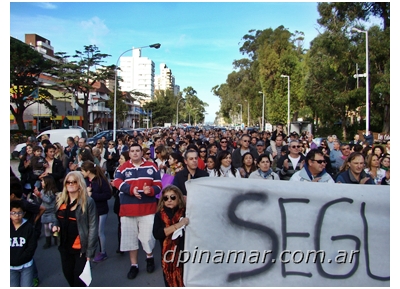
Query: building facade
(137, 73)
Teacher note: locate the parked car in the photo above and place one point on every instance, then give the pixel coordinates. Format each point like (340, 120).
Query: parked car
(138, 130)
(17, 150)
(108, 134)
(60, 135)
(251, 129)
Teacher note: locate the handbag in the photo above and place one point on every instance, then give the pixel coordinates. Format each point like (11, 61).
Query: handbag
(166, 180)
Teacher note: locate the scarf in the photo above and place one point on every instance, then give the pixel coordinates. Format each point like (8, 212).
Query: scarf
(111, 150)
(266, 174)
(385, 168)
(176, 168)
(173, 274)
(225, 170)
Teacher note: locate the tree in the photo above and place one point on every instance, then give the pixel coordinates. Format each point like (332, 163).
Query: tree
(26, 65)
(194, 106)
(79, 75)
(161, 107)
(337, 16)
(270, 54)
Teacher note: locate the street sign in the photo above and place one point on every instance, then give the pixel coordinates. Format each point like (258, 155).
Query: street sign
(360, 75)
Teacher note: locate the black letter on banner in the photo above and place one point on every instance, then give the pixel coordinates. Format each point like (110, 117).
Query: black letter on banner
(286, 234)
(317, 237)
(254, 226)
(366, 247)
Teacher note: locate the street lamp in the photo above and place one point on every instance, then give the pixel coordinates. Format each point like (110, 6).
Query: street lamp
(288, 100)
(177, 111)
(156, 46)
(262, 125)
(366, 78)
(241, 110)
(248, 112)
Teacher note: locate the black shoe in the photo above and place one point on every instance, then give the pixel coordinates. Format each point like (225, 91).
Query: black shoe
(133, 272)
(119, 252)
(150, 265)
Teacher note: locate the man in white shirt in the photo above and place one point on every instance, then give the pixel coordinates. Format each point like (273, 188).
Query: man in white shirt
(289, 164)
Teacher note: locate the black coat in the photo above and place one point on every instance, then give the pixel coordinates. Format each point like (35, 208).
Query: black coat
(182, 176)
(112, 163)
(26, 173)
(58, 173)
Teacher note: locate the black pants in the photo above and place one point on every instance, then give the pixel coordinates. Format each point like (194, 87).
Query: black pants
(116, 211)
(72, 266)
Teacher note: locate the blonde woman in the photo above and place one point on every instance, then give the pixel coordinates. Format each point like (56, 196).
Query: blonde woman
(77, 226)
(60, 155)
(161, 159)
(100, 146)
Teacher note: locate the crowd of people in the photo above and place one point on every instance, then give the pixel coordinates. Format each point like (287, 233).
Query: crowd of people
(65, 190)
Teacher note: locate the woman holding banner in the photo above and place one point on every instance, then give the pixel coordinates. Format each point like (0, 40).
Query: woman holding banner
(352, 171)
(168, 228)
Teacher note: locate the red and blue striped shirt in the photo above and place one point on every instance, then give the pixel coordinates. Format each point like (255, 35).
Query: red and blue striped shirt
(127, 177)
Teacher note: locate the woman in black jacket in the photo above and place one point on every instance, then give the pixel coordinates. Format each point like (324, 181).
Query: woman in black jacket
(77, 226)
(112, 156)
(99, 189)
(26, 171)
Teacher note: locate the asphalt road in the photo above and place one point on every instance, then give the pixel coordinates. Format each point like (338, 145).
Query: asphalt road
(109, 273)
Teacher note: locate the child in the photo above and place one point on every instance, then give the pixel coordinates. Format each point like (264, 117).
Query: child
(22, 246)
(48, 197)
(33, 212)
(39, 164)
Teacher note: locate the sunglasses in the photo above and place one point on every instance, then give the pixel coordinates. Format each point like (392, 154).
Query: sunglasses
(71, 183)
(147, 153)
(245, 140)
(223, 142)
(320, 161)
(203, 151)
(293, 147)
(166, 198)
(157, 152)
(16, 213)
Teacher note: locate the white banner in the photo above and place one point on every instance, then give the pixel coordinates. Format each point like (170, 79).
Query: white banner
(245, 232)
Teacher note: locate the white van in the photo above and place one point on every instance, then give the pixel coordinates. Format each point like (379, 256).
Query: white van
(60, 135)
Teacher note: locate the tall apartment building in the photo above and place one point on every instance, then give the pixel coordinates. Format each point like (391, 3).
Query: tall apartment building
(165, 80)
(137, 73)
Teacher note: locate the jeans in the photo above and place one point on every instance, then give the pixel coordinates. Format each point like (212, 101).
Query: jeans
(22, 277)
(102, 235)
